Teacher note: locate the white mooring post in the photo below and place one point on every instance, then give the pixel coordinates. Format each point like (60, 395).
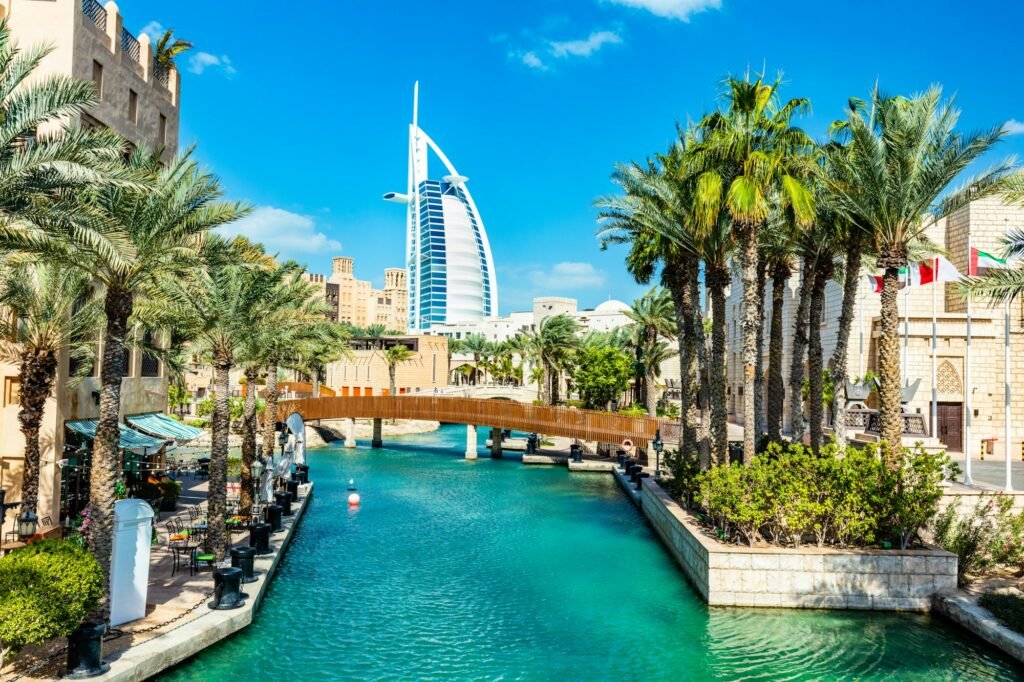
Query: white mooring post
(350, 433)
(470, 442)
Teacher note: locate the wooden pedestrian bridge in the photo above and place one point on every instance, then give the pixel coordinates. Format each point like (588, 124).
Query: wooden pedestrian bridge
(589, 425)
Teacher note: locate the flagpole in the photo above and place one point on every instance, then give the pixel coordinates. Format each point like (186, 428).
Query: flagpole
(967, 381)
(906, 334)
(935, 388)
(860, 324)
(1006, 391)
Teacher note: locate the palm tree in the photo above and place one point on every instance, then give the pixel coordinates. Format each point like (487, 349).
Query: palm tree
(551, 346)
(129, 239)
(50, 311)
(653, 318)
(903, 155)
(477, 345)
(167, 48)
(396, 355)
(748, 155)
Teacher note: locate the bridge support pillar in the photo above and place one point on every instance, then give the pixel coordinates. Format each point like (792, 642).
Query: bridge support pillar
(470, 441)
(377, 440)
(496, 443)
(350, 433)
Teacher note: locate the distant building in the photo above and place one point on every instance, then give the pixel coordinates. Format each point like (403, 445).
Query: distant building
(356, 302)
(448, 256)
(365, 372)
(605, 317)
(139, 100)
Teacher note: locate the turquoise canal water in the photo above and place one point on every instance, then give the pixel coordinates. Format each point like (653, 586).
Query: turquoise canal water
(456, 570)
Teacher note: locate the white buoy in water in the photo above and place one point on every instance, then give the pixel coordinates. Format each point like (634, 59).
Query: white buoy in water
(353, 496)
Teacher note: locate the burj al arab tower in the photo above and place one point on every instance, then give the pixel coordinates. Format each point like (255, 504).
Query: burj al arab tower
(448, 258)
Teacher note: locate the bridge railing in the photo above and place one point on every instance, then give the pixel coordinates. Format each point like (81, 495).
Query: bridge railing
(605, 427)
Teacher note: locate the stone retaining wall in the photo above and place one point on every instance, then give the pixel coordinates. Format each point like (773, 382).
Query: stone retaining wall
(809, 577)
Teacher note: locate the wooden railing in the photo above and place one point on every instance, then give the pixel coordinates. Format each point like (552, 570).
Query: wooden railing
(606, 427)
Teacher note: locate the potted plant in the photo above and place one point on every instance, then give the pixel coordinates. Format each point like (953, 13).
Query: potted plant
(171, 491)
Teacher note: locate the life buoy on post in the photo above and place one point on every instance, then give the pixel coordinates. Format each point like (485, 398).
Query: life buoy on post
(627, 447)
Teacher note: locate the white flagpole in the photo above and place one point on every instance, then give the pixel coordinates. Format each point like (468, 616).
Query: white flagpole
(968, 443)
(1006, 392)
(935, 388)
(860, 324)
(906, 332)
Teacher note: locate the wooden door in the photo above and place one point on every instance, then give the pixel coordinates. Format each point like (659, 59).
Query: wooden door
(951, 425)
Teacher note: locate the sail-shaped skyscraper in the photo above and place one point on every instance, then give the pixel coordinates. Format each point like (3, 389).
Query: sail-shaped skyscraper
(448, 257)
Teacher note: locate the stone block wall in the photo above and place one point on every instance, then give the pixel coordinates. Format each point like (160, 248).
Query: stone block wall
(809, 577)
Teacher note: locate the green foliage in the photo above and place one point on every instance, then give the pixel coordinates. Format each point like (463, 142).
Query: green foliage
(669, 410)
(178, 396)
(842, 497)
(828, 391)
(634, 410)
(685, 469)
(202, 423)
(991, 534)
(601, 374)
(235, 407)
(1007, 607)
(170, 490)
(46, 590)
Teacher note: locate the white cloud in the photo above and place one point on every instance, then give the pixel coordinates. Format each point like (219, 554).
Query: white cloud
(532, 60)
(154, 30)
(567, 276)
(584, 48)
(201, 61)
(672, 9)
(282, 232)
(1013, 127)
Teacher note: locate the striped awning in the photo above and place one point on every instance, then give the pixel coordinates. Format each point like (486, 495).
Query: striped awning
(160, 425)
(130, 438)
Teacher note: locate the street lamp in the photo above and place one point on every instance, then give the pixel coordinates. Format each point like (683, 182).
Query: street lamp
(658, 446)
(27, 524)
(257, 473)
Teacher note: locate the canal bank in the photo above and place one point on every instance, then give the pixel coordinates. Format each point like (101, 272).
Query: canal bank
(456, 569)
(177, 643)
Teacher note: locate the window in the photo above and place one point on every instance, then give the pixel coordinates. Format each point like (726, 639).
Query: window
(133, 106)
(127, 360)
(97, 78)
(163, 129)
(150, 363)
(12, 391)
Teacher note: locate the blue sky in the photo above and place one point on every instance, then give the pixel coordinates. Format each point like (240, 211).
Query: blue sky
(302, 108)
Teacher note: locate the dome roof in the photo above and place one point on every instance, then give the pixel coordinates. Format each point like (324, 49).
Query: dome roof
(612, 306)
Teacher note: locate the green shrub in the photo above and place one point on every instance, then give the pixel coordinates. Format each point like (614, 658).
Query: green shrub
(634, 410)
(148, 491)
(989, 535)
(46, 590)
(1007, 607)
(170, 490)
(685, 469)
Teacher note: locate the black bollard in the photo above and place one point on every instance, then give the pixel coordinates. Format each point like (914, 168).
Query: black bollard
(621, 457)
(293, 488)
(284, 498)
(227, 589)
(303, 471)
(634, 471)
(259, 538)
(274, 518)
(245, 559)
(85, 651)
(640, 478)
(576, 451)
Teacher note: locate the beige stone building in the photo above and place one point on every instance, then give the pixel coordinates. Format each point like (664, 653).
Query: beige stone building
(141, 102)
(358, 303)
(365, 372)
(983, 224)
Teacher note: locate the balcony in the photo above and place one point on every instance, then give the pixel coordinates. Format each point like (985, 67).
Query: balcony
(130, 46)
(94, 11)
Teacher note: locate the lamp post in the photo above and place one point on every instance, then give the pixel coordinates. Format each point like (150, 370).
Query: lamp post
(257, 471)
(27, 524)
(658, 446)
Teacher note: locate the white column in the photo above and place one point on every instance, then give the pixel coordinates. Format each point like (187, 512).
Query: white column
(471, 442)
(350, 433)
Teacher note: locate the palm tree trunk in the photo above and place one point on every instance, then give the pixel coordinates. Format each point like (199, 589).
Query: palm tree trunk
(776, 383)
(252, 373)
(270, 411)
(815, 393)
(315, 387)
(106, 451)
(36, 376)
(676, 277)
(701, 388)
(749, 319)
(796, 368)
(854, 252)
(718, 279)
(391, 377)
(889, 409)
(759, 419)
(216, 497)
(652, 395)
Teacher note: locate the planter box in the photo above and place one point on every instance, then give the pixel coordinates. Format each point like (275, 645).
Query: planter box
(808, 577)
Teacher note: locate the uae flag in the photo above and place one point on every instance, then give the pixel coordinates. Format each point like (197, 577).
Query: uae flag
(982, 262)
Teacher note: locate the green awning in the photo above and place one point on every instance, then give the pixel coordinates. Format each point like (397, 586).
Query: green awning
(159, 424)
(130, 438)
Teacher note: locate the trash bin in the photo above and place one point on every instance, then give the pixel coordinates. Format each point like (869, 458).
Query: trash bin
(274, 517)
(227, 589)
(284, 499)
(245, 559)
(129, 563)
(85, 651)
(259, 538)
